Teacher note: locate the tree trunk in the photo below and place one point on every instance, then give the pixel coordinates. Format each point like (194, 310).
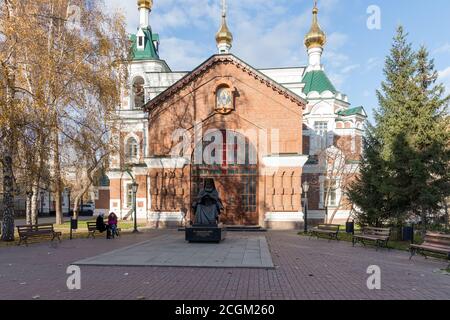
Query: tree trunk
(34, 204)
(338, 206)
(79, 197)
(8, 143)
(37, 179)
(8, 191)
(76, 205)
(28, 208)
(57, 179)
(333, 215)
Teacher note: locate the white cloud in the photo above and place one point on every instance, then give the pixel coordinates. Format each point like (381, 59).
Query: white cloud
(444, 77)
(350, 68)
(442, 49)
(182, 55)
(266, 33)
(372, 63)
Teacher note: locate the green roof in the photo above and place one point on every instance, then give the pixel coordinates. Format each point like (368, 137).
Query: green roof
(149, 52)
(352, 112)
(317, 81)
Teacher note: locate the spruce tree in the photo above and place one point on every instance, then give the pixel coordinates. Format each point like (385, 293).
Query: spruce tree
(430, 139)
(410, 175)
(368, 192)
(396, 93)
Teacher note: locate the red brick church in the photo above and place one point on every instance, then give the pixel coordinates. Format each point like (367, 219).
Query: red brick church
(259, 133)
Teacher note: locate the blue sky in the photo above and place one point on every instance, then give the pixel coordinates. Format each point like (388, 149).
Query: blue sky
(269, 33)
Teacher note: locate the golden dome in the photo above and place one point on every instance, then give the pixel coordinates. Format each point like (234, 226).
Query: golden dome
(146, 4)
(224, 34)
(315, 38)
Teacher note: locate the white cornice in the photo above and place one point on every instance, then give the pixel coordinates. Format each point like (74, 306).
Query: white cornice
(297, 161)
(166, 163)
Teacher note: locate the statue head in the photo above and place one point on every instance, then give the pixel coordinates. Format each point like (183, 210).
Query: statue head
(209, 184)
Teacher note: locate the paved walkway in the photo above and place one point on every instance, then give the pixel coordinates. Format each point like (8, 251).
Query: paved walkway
(304, 269)
(171, 250)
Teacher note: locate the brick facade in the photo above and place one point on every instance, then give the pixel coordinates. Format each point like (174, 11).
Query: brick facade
(258, 107)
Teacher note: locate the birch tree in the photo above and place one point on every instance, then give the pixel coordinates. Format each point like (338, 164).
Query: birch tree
(59, 57)
(341, 167)
(11, 13)
(80, 64)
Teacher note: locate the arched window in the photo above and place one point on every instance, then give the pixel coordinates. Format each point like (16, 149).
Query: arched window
(131, 149)
(138, 93)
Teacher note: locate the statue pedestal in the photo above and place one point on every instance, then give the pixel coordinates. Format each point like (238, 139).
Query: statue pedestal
(205, 233)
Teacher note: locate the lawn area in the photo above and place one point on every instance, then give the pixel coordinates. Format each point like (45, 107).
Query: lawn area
(82, 225)
(397, 245)
(82, 232)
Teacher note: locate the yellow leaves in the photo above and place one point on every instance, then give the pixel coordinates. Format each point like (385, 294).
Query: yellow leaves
(60, 69)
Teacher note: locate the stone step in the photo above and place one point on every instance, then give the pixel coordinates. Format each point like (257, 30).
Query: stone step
(246, 228)
(240, 229)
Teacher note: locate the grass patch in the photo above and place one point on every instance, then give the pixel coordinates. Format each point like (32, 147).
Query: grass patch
(81, 233)
(392, 244)
(82, 225)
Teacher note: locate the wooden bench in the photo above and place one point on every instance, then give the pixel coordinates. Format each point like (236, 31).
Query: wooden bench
(37, 231)
(380, 236)
(435, 243)
(329, 230)
(92, 229)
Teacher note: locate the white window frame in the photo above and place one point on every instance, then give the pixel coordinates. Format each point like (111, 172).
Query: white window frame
(127, 189)
(140, 36)
(136, 157)
(322, 136)
(338, 191)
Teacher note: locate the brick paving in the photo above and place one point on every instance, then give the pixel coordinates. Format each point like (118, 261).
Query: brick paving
(171, 250)
(304, 269)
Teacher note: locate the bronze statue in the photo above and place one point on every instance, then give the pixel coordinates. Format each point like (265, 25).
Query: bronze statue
(208, 205)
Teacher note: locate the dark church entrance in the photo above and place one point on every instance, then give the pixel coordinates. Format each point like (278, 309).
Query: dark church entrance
(237, 184)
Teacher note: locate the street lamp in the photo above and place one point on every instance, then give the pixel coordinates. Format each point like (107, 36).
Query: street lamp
(134, 188)
(305, 187)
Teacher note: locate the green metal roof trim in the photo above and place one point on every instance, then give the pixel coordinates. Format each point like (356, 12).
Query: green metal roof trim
(104, 181)
(352, 112)
(149, 52)
(317, 81)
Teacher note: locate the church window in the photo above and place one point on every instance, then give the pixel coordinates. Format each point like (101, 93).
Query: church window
(333, 194)
(139, 93)
(131, 152)
(329, 189)
(321, 130)
(129, 195)
(141, 42)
